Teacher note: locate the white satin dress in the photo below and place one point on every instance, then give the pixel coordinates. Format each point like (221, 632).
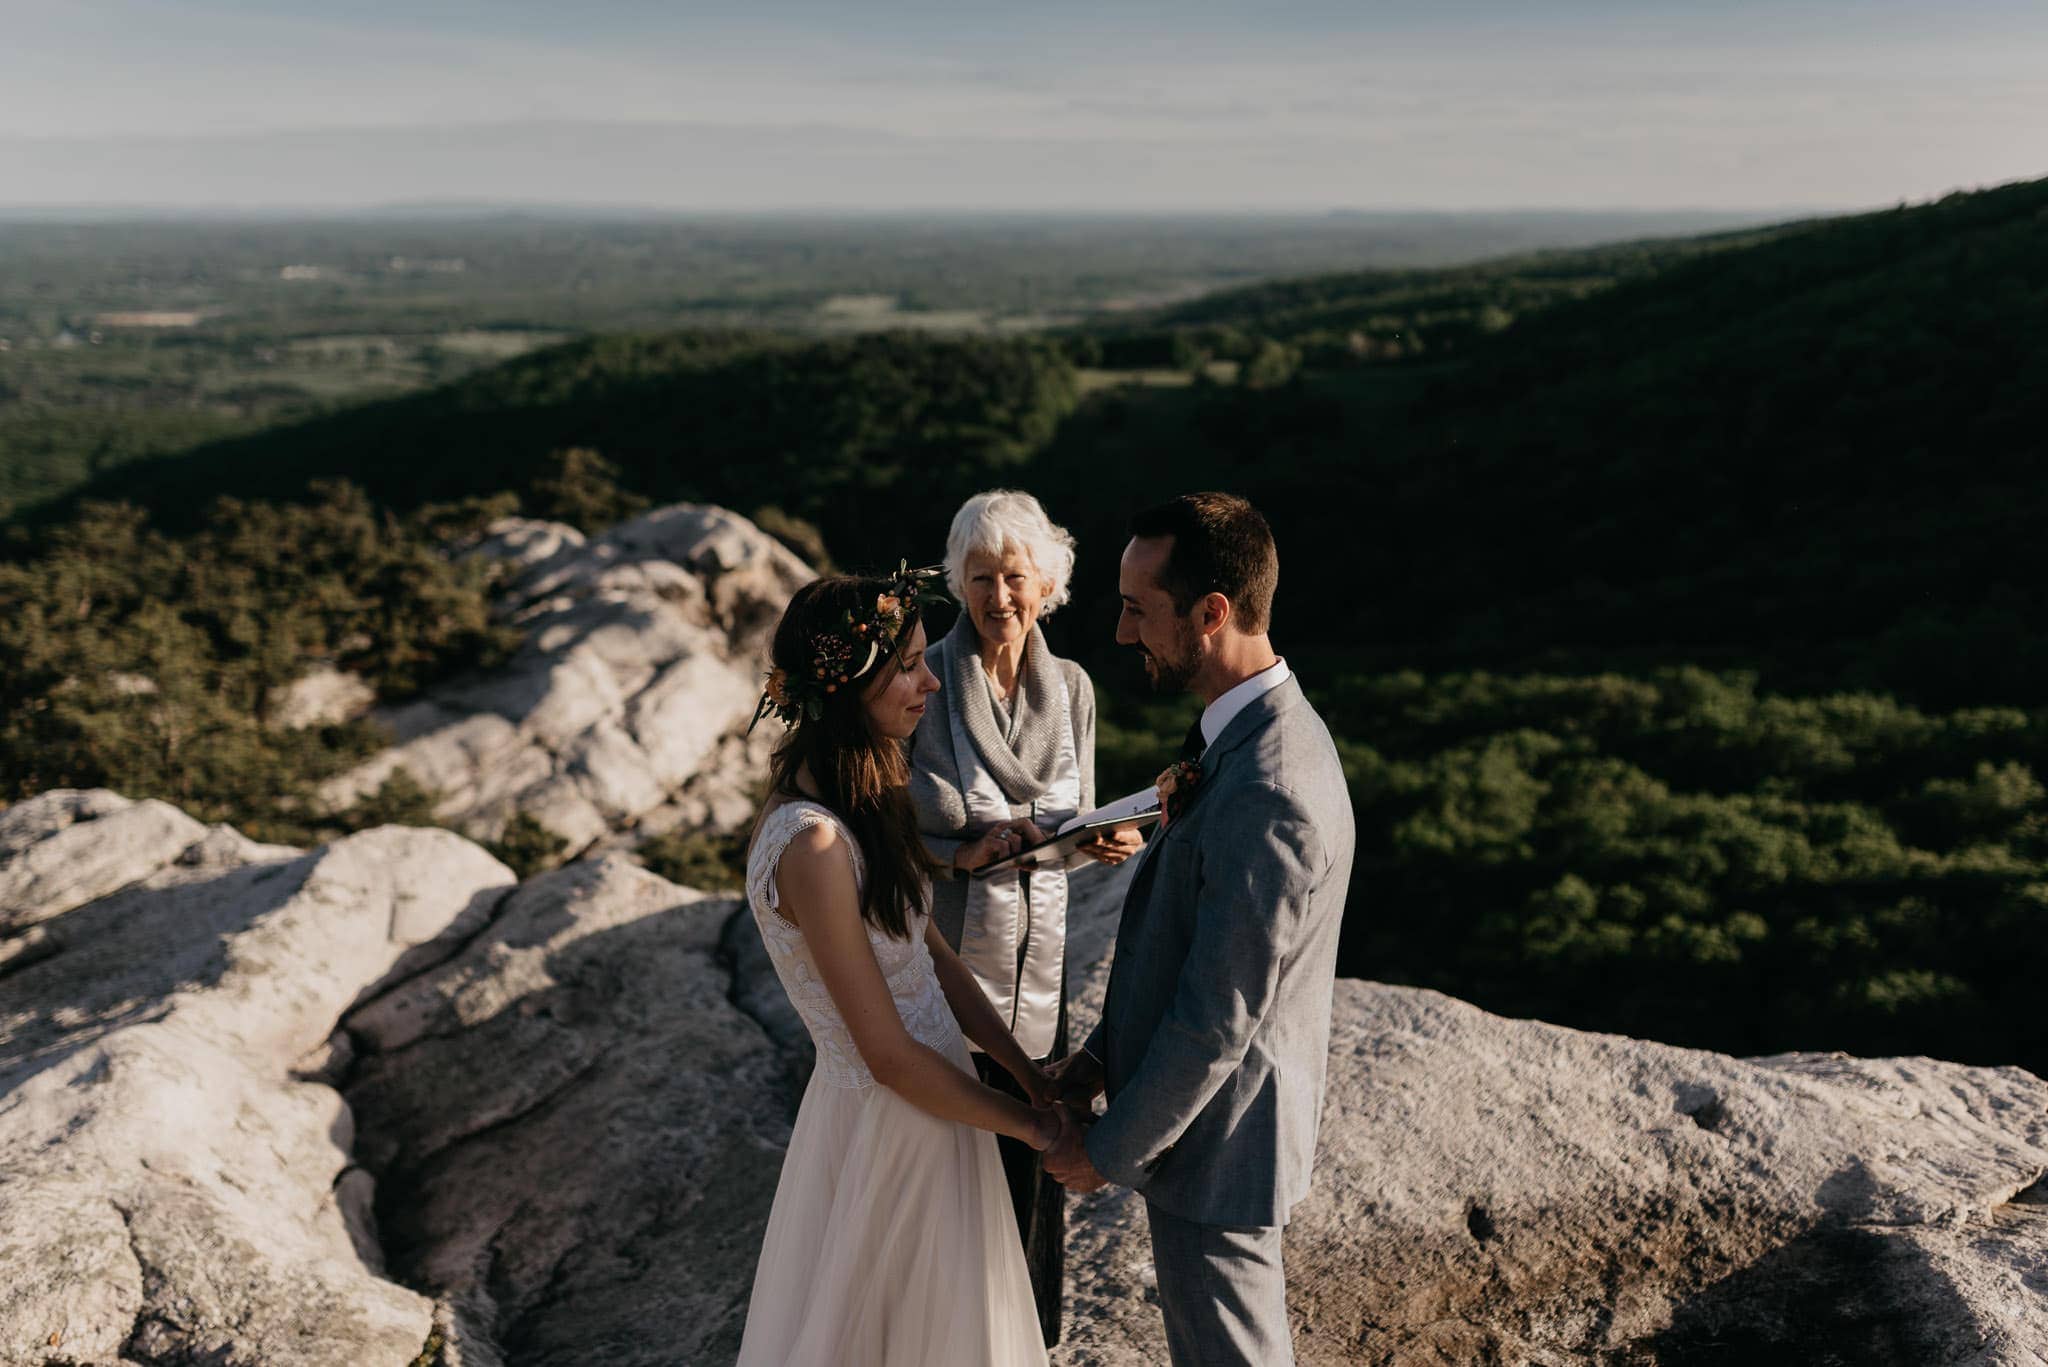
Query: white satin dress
(891, 1242)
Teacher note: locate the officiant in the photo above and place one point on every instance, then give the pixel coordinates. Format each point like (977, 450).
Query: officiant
(1005, 757)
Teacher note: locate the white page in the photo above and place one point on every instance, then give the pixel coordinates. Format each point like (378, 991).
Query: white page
(1144, 800)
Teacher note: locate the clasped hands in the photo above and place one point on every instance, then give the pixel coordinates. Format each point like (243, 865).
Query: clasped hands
(1068, 1089)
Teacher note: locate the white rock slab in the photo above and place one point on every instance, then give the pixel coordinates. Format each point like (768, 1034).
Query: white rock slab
(1492, 1190)
(169, 1190)
(642, 659)
(59, 850)
(577, 1133)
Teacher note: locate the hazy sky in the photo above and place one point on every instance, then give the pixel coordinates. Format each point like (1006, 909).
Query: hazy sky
(1113, 104)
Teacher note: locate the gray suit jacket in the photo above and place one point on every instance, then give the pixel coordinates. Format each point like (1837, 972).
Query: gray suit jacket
(1215, 1035)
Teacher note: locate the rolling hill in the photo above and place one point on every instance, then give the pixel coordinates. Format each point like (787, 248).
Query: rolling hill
(1815, 455)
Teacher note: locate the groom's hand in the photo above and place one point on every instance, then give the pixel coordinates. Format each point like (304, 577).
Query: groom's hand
(1067, 1161)
(1076, 1079)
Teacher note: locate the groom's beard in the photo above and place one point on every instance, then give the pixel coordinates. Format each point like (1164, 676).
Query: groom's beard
(1176, 674)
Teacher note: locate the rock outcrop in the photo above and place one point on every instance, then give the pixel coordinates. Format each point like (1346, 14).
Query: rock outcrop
(572, 1098)
(621, 715)
(170, 1191)
(1501, 1191)
(66, 848)
(1504, 1191)
(324, 697)
(577, 1133)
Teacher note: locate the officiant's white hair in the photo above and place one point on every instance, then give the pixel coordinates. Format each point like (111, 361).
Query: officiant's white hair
(998, 518)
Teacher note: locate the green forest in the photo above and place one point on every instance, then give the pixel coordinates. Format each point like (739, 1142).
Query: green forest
(122, 339)
(1676, 604)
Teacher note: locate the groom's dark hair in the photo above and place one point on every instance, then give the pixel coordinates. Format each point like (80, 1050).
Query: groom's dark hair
(1221, 544)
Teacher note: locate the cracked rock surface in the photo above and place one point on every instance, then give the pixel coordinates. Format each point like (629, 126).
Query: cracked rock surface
(169, 1191)
(577, 1133)
(623, 710)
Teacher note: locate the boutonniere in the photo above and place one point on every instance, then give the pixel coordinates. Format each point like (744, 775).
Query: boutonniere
(1176, 784)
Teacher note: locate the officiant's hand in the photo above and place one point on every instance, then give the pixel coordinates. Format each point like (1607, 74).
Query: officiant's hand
(999, 841)
(1115, 847)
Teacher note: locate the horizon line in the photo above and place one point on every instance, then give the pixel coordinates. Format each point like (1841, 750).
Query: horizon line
(53, 210)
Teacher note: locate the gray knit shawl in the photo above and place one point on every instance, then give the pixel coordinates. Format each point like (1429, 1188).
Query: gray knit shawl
(935, 780)
(1027, 769)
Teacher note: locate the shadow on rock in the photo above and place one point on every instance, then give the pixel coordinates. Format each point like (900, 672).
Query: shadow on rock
(577, 1133)
(1844, 1294)
(1831, 1298)
(120, 960)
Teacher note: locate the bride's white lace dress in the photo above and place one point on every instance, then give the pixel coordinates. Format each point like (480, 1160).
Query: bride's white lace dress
(891, 1242)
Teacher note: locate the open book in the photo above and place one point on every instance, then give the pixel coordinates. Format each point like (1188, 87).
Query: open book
(1139, 809)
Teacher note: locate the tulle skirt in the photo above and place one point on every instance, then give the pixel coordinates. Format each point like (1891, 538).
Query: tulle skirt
(891, 1243)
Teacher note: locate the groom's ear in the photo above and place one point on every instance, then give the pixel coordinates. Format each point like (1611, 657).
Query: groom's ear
(1212, 613)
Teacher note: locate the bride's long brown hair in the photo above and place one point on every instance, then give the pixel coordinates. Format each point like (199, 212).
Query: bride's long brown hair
(861, 776)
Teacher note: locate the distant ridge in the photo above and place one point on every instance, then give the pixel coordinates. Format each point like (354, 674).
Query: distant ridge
(1646, 220)
(1819, 444)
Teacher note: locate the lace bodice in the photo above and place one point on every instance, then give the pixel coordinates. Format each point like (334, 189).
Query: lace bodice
(906, 964)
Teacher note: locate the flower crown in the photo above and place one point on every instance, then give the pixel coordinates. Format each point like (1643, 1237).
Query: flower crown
(846, 651)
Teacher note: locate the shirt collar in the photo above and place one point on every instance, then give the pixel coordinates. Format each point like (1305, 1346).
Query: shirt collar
(1219, 713)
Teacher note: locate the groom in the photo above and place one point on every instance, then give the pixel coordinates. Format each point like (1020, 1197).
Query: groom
(1215, 1033)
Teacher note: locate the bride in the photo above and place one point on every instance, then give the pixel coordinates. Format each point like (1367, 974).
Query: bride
(891, 1241)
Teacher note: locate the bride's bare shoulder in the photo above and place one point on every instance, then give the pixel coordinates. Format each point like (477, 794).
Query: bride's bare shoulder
(816, 859)
(816, 841)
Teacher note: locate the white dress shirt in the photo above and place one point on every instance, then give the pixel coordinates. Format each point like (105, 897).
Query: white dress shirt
(1219, 713)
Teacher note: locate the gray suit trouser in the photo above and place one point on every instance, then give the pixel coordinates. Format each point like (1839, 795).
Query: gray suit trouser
(1222, 1291)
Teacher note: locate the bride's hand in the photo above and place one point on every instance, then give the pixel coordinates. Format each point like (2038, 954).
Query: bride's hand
(1038, 1086)
(1053, 1125)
